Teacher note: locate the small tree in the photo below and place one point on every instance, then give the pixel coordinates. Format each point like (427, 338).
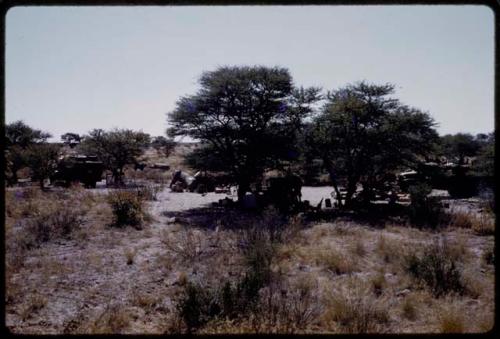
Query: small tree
(18, 137)
(363, 135)
(15, 159)
(485, 162)
(42, 160)
(115, 148)
(247, 118)
(71, 139)
(163, 145)
(18, 133)
(459, 146)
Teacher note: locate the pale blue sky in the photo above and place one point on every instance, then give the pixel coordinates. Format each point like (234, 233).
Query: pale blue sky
(71, 69)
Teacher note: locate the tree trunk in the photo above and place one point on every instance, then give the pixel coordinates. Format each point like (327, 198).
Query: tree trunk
(117, 175)
(333, 179)
(243, 186)
(351, 189)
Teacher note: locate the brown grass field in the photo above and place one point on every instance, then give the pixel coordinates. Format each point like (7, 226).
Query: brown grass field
(69, 270)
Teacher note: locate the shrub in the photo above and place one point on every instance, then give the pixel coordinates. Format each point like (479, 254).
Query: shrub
(258, 251)
(424, 211)
(285, 309)
(52, 222)
(128, 209)
(187, 243)
(437, 269)
(197, 306)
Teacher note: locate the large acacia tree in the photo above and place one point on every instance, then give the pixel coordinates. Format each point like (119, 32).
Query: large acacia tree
(247, 119)
(362, 135)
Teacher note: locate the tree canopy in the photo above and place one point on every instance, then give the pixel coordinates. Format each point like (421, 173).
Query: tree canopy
(18, 138)
(18, 133)
(42, 160)
(115, 148)
(247, 118)
(362, 134)
(71, 139)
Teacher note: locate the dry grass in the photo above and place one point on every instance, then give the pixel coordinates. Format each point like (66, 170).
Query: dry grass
(113, 320)
(188, 244)
(480, 224)
(451, 319)
(335, 260)
(355, 310)
(390, 250)
(144, 300)
(35, 302)
(130, 255)
(358, 248)
(409, 307)
(370, 292)
(378, 283)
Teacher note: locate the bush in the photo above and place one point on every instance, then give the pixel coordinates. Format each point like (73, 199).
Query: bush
(197, 306)
(424, 211)
(52, 222)
(128, 209)
(437, 269)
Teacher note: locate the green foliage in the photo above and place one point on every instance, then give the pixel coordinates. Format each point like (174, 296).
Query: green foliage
(424, 211)
(362, 134)
(127, 209)
(458, 146)
(248, 118)
(15, 158)
(42, 160)
(115, 148)
(437, 269)
(18, 138)
(485, 162)
(18, 133)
